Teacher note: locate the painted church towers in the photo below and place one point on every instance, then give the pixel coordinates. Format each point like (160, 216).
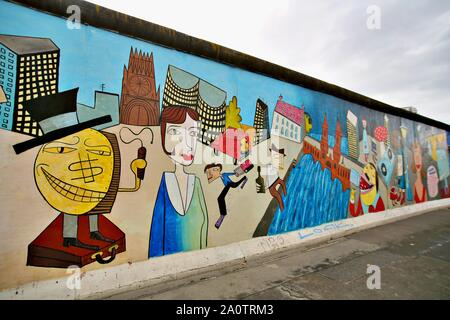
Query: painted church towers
(324, 139)
(324, 145)
(139, 103)
(337, 144)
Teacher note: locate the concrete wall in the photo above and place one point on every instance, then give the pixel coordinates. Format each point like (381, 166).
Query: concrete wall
(351, 162)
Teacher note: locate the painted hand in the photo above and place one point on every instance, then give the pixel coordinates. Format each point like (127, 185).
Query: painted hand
(138, 164)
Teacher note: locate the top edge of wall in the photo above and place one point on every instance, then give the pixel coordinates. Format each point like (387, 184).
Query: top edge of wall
(100, 17)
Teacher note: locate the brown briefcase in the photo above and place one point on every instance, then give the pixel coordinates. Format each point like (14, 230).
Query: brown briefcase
(47, 249)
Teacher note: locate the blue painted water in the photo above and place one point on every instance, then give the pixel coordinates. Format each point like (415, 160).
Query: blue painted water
(312, 198)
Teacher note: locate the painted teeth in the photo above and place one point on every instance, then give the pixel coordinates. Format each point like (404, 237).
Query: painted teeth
(72, 192)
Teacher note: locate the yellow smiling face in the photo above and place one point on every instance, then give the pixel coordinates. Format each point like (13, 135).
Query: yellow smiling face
(74, 173)
(368, 184)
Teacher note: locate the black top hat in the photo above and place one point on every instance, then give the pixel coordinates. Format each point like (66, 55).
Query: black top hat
(274, 148)
(57, 117)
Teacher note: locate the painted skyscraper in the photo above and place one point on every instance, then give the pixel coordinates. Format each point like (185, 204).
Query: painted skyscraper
(352, 132)
(183, 89)
(139, 103)
(261, 122)
(29, 69)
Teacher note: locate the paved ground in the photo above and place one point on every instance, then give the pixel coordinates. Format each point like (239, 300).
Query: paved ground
(413, 256)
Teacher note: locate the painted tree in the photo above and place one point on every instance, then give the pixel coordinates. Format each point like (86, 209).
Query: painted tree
(308, 122)
(232, 116)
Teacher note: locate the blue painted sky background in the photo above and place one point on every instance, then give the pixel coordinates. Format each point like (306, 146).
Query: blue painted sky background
(91, 56)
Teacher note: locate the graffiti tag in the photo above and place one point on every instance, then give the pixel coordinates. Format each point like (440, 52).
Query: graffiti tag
(324, 229)
(273, 242)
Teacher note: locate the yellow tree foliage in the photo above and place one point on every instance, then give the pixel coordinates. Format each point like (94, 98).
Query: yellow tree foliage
(233, 117)
(308, 122)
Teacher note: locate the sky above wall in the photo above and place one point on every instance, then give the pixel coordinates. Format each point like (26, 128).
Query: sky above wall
(406, 62)
(94, 59)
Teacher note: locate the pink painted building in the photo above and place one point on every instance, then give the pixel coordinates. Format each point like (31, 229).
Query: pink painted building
(288, 121)
(234, 142)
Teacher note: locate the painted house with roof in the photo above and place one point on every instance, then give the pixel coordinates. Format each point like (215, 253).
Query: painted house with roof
(288, 121)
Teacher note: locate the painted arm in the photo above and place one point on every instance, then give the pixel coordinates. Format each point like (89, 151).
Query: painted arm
(156, 243)
(138, 168)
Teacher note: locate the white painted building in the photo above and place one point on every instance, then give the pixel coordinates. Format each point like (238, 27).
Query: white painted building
(287, 121)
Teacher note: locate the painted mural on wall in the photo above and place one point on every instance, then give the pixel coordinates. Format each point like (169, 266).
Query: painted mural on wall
(308, 158)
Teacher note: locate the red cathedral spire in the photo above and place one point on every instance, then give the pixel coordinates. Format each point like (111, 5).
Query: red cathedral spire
(324, 140)
(337, 144)
(139, 103)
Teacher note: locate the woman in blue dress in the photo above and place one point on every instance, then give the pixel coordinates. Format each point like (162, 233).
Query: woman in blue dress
(180, 216)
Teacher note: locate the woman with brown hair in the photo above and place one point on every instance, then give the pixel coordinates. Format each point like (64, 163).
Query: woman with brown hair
(180, 216)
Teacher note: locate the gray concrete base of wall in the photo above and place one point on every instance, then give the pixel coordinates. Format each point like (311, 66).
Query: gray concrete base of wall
(107, 281)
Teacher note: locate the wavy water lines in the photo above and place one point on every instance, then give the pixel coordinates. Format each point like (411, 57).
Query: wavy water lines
(313, 198)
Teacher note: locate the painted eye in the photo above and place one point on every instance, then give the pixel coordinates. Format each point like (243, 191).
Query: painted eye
(59, 150)
(174, 132)
(383, 169)
(100, 152)
(193, 133)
